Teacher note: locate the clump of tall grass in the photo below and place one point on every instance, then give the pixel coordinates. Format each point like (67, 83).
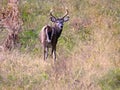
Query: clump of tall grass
(111, 80)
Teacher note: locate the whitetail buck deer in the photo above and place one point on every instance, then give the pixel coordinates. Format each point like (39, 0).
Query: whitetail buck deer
(49, 34)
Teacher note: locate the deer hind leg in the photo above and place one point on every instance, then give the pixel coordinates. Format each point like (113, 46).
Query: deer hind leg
(45, 53)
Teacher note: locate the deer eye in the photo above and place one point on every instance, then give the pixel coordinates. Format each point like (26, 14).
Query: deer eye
(57, 22)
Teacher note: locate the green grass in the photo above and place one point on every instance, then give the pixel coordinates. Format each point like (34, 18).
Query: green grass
(111, 80)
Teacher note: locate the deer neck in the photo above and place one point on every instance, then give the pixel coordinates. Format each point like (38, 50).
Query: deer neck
(57, 31)
(57, 28)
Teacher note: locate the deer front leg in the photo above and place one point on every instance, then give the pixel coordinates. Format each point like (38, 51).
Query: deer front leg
(53, 53)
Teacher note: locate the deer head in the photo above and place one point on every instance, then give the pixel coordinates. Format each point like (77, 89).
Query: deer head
(59, 22)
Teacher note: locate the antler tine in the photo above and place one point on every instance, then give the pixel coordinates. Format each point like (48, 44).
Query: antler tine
(66, 13)
(51, 13)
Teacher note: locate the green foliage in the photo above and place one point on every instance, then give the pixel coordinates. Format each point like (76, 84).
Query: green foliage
(44, 76)
(85, 34)
(25, 81)
(1, 78)
(28, 39)
(67, 42)
(11, 79)
(111, 81)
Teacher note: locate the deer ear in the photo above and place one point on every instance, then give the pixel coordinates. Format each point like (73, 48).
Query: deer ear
(53, 19)
(66, 18)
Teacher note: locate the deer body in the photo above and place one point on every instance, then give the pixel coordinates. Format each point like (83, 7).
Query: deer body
(49, 35)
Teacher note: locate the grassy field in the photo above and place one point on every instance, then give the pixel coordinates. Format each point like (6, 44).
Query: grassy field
(88, 51)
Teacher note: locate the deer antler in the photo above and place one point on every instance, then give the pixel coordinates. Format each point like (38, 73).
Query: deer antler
(51, 13)
(66, 13)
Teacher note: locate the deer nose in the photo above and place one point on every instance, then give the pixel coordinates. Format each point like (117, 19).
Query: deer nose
(62, 26)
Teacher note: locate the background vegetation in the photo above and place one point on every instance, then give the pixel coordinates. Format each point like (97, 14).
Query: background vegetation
(88, 51)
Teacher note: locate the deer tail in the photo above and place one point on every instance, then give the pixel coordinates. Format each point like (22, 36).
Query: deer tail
(47, 35)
